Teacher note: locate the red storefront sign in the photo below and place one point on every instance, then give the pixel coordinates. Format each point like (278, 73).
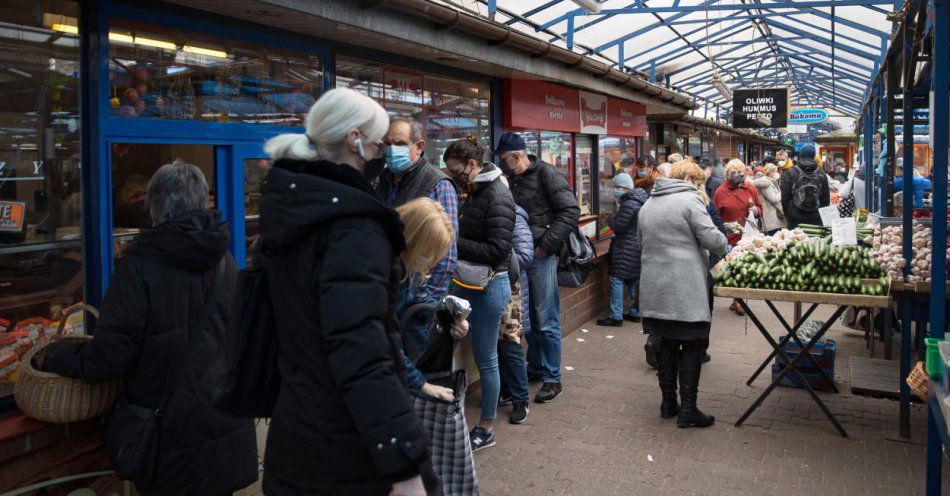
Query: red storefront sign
(538, 105)
(626, 118)
(593, 113)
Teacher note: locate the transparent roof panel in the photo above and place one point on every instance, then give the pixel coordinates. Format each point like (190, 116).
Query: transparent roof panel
(686, 42)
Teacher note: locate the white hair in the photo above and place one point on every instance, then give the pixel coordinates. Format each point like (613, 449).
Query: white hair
(665, 168)
(327, 124)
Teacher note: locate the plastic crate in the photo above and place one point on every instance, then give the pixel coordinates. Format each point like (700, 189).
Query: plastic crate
(933, 365)
(814, 378)
(823, 352)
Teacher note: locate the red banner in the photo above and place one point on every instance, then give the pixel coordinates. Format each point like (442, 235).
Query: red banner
(543, 106)
(626, 118)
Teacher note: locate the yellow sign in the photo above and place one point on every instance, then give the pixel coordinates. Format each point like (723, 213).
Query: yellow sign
(11, 216)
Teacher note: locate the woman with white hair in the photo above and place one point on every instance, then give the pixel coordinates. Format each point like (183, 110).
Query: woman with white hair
(144, 335)
(736, 199)
(343, 422)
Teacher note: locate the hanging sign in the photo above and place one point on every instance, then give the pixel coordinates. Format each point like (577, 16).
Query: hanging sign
(543, 106)
(593, 113)
(11, 216)
(808, 116)
(760, 108)
(626, 118)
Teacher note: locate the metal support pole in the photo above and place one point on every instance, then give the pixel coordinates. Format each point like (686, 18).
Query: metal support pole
(893, 80)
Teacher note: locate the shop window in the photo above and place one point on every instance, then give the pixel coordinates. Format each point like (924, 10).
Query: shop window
(40, 194)
(450, 109)
(164, 73)
(616, 155)
(132, 166)
(583, 189)
(255, 169)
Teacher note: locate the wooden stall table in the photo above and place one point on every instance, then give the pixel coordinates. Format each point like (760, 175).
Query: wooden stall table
(842, 301)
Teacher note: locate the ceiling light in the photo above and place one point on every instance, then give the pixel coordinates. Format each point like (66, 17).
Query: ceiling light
(121, 38)
(205, 51)
(155, 43)
(591, 6)
(721, 87)
(64, 28)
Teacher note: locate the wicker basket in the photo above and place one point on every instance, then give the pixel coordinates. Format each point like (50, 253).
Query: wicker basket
(53, 398)
(919, 382)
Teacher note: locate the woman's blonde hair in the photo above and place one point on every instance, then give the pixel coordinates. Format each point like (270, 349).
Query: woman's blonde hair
(689, 171)
(327, 124)
(735, 165)
(428, 232)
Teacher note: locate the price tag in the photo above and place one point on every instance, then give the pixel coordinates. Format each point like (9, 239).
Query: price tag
(844, 232)
(828, 214)
(874, 220)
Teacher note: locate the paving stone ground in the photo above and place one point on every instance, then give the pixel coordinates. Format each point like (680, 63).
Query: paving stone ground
(599, 437)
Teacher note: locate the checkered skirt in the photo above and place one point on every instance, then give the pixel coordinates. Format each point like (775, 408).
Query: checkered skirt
(451, 450)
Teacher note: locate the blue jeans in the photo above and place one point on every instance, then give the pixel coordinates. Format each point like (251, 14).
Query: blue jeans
(514, 372)
(483, 322)
(617, 286)
(544, 340)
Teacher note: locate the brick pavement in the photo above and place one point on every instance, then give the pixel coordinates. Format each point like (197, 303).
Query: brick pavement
(596, 439)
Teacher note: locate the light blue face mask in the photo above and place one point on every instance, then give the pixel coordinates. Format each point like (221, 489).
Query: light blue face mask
(619, 192)
(397, 158)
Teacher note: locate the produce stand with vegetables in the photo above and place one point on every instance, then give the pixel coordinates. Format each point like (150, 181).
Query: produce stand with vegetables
(794, 268)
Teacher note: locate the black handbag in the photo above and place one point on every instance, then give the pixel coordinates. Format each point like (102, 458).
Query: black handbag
(250, 382)
(132, 439)
(577, 260)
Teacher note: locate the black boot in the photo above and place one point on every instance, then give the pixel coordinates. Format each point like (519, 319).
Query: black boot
(690, 365)
(666, 361)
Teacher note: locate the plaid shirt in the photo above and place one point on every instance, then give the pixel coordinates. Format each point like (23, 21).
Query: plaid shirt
(437, 286)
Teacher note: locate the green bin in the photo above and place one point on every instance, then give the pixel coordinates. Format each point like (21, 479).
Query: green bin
(934, 363)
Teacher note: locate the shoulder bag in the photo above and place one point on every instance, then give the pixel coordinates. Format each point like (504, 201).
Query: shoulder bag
(133, 437)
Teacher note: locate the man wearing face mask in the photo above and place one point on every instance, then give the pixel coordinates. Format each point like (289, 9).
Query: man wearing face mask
(552, 214)
(408, 176)
(782, 160)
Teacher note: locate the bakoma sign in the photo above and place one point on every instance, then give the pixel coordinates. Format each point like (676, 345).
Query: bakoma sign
(760, 108)
(808, 116)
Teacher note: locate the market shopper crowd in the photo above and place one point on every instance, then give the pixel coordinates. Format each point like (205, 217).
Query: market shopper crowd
(362, 242)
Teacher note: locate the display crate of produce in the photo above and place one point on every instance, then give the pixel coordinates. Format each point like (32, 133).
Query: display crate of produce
(813, 376)
(823, 352)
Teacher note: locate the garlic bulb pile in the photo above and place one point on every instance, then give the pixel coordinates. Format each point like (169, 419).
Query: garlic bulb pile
(888, 251)
(764, 244)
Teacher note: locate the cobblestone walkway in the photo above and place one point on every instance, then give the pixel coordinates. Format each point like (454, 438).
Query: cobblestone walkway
(604, 436)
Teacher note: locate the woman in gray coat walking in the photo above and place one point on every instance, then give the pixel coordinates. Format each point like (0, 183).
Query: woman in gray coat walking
(676, 235)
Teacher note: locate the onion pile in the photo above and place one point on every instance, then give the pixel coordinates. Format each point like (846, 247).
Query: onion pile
(887, 244)
(763, 244)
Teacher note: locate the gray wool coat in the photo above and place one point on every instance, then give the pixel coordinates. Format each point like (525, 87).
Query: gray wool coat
(676, 235)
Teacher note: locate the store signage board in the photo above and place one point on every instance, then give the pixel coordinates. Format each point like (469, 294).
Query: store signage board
(844, 231)
(544, 106)
(828, 214)
(760, 108)
(808, 116)
(593, 113)
(626, 118)
(11, 216)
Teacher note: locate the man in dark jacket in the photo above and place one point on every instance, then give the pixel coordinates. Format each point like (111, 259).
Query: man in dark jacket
(624, 263)
(552, 214)
(804, 190)
(713, 182)
(159, 288)
(408, 175)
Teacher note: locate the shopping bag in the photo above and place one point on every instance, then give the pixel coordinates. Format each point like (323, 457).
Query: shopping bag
(751, 228)
(445, 423)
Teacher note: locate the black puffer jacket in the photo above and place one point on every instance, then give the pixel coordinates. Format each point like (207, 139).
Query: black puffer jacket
(486, 221)
(157, 290)
(552, 210)
(794, 216)
(624, 262)
(343, 422)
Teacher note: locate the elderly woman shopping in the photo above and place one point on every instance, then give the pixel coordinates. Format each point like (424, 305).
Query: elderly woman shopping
(676, 235)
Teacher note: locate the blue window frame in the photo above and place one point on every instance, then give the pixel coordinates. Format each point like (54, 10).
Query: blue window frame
(233, 142)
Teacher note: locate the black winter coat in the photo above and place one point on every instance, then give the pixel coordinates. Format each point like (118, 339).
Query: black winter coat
(624, 262)
(343, 423)
(487, 221)
(794, 216)
(158, 289)
(712, 184)
(552, 210)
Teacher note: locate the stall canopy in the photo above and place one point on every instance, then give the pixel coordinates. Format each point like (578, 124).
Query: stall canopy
(824, 51)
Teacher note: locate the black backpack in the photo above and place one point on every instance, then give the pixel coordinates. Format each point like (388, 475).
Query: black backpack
(806, 192)
(576, 261)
